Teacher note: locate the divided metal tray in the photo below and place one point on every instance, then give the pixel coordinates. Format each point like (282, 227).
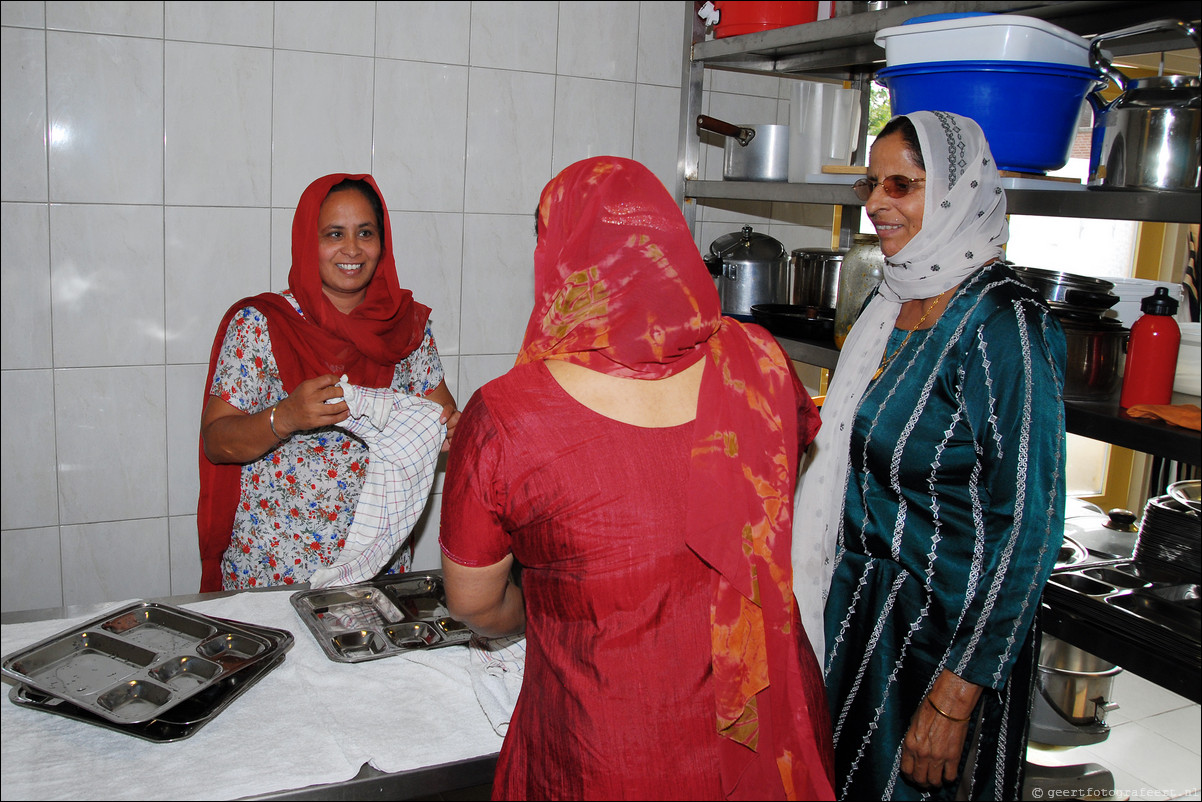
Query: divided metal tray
(184, 719)
(380, 618)
(134, 665)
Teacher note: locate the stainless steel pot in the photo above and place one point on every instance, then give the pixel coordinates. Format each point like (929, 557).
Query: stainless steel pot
(815, 276)
(1069, 292)
(1096, 356)
(1148, 137)
(751, 152)
(1077, 684)
(749, 269)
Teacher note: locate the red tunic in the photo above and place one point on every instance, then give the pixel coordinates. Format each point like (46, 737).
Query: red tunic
(617, 700)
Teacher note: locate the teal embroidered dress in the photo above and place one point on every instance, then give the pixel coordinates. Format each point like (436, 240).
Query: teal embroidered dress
(952, 524)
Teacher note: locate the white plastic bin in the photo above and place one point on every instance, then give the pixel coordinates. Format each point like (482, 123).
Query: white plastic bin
(989, 37)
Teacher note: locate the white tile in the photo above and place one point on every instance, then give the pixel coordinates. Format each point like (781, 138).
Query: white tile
(115, 561)
(281, 246)
(30, 570)
(321, 120)
(662, 43)
(656, 131)
(1182, 726)
(186, 397)
(27, 447)
(214, 258)
(218, 124)
(125, 18)
(745, 83)
(345, 27)
(509, 136)
(592, 118)
(515, 35)
(498, 282)
(185, 554)
(112, 447)
(478, 370)
(1139, 698)
(1156, 761)
(429, 263)
(220, 21)
(598, 40)
(23, 13)
(25, 287)
(417, 30)
(23, 169)
(106, 278)
(427, 556)
(420, 135)
(105, 100)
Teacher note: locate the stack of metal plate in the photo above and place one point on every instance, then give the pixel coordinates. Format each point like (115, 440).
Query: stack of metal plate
(381, 618)
(1170, 535)
(151, 670)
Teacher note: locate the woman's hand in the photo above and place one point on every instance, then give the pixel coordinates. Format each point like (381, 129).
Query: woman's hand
(934, 742)
(232, 436)
(450, 412)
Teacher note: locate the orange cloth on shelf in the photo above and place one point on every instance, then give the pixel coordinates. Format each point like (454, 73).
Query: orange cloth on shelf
(1188, 416)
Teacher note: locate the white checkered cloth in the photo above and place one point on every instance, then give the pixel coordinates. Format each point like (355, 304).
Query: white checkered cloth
(403, 436)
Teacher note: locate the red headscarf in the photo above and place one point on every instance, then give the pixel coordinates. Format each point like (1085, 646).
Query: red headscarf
(620, 288)
(365, 345)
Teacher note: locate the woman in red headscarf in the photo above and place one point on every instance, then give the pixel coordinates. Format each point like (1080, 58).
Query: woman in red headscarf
(638, 464)
(278, 483)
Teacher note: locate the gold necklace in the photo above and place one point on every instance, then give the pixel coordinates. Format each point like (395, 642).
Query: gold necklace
(885, 362)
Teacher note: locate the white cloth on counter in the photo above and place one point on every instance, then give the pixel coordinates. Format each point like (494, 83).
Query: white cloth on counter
(497, 666)
(404, 437)
(309, 721)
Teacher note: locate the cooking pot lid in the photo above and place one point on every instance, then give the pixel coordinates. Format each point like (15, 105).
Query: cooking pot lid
(1037, 276)
(748, 246)
(1088, 321)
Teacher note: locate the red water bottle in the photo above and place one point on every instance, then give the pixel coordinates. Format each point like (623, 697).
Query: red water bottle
(1152, 352)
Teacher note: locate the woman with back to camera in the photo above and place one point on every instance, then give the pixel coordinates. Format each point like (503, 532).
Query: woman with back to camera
(279, 480)
(638, 463)
(937, 481)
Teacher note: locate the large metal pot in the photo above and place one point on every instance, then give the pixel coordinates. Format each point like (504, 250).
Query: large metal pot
(1077, 684)
(1148, 137)
(815, 276)
(1096, 355)
(1069, 292)
(749, 269)
(751, 152)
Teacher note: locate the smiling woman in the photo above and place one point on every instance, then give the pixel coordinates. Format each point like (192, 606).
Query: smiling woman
(279, 480)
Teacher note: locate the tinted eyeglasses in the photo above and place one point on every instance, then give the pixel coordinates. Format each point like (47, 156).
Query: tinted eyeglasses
(895, 186)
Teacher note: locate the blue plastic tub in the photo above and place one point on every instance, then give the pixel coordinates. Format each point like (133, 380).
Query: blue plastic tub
(1028, 110)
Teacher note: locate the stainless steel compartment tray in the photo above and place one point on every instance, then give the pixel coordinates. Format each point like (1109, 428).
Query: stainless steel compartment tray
(380, 618)
(133, 664)
(184, 719)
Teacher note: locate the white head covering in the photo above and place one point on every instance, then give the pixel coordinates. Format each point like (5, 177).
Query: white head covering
(963, 227)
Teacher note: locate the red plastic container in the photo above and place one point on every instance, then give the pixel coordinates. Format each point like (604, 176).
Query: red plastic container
(748, 16)
(1152, 353)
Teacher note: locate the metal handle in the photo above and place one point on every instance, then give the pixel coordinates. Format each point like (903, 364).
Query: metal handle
(1099, 60)
(741, 133)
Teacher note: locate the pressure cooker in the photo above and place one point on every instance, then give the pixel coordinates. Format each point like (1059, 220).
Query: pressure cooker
(749, 268)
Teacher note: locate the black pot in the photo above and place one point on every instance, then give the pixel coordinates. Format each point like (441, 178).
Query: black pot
(1096, 356)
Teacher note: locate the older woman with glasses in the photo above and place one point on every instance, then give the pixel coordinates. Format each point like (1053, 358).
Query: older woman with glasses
(935, 488)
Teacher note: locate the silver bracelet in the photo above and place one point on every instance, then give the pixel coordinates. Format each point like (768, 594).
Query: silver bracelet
(271, 423)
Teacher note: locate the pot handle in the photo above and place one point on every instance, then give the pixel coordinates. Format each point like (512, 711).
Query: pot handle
(1099, 61)
(741, 133)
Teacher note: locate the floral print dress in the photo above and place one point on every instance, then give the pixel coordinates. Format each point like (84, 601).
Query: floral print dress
(297, 501)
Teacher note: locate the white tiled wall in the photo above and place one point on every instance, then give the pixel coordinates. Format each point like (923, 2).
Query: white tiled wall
(153, 153)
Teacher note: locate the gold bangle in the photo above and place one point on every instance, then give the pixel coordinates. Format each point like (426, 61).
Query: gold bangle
(271, 423)
(945, 715)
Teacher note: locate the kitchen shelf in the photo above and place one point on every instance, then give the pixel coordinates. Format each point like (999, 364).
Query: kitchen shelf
(1109, 204)
(1104, 421)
